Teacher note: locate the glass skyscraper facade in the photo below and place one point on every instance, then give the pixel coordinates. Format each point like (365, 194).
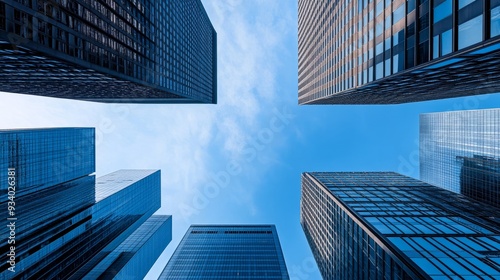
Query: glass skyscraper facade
(383, 225)
(227, 252)
(135, 51)
(389, 52)
(125, 199)
(460, 151)
(63, 227)
(44, 158)
(133, 258)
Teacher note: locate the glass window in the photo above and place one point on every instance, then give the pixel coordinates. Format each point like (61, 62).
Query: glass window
(463, 3)
(379, 48)
(410, 57)
(388, 20)
(435, 47)
(400, 243)
(411, 5)
(399, 13)
(427, 265)
(470, 32)
(423, 52)
(443, 10)
(410, 29)
(397, 63)
(379, 28)
(388, 43)
(380, 7)
(495, 21)
(387, 67)
(446, 42)
(379, 70)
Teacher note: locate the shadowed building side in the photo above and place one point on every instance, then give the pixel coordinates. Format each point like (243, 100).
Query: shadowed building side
(109, 51)
(391, 52)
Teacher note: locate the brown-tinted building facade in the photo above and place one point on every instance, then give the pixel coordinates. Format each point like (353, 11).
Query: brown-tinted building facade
(389, 52)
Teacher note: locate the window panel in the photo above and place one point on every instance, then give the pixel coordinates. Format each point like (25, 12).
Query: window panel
(443, 10)
(470, 32)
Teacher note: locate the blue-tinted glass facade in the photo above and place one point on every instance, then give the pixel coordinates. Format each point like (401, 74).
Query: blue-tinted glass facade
(129, 198)
(227, 252)
(45, 157)
(383, 225)
(133, 258)
(43, 217)
(460, 151)
(394, 51)
(53, 193)
(64, 226)
(109, 51)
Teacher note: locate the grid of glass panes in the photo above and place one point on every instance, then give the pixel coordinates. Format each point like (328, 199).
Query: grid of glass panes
(458, 235)
(62, 246)
(460, 151)
(138, 252)
(228, 252)
(43, 158)
(340, 245)
(167, 45)
(344, 45)
(43, 215)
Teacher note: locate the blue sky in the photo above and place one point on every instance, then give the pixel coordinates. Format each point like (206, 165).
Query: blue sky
(240, 161)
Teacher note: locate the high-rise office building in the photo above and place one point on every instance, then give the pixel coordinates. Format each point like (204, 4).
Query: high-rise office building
(383, 225)
(389, 52)
(109, 51)
(227, 252)
(460, 151)
(63, 226)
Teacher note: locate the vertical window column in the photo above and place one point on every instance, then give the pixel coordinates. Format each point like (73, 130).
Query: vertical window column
(470, 22)
(424, 29)
(398, 37)
(442, 18)
(494, 18)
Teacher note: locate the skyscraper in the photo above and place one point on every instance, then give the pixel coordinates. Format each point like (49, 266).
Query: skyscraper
(119, 210)
(383, 225)
(227, 252)
(51, 195)
(460, 151)
(109, 51)
(389, 52)
(62, 226)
